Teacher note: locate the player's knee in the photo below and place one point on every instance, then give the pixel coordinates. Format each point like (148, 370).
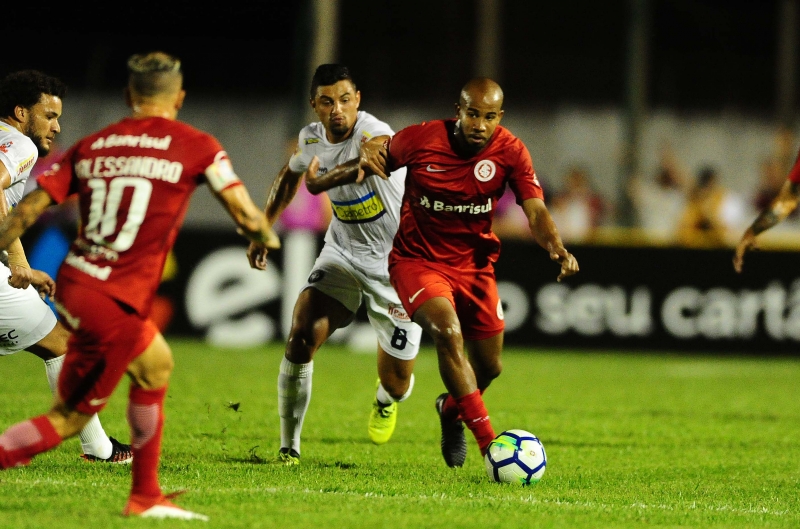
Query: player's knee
(302, 344)
(66, 421)
(447, 336)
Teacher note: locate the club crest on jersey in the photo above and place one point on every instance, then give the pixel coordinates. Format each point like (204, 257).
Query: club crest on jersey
(4, 146)
(485, 170)
(316, 275)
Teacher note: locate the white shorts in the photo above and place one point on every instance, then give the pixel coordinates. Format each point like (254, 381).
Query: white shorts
(337, 276)
(24, 317)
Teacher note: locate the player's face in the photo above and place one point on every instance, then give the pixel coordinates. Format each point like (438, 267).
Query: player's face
(40, 122)
(336, 107)
(477, 120)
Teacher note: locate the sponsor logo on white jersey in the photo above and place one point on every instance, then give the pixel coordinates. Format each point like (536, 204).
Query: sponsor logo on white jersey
(398, 312)
(126, 140)
(470, 209)
(485, 170)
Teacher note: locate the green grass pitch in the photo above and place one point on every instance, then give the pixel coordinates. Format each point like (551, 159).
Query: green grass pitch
(632, 440)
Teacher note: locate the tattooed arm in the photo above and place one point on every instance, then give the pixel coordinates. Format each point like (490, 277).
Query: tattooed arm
(23, 216)
(780, 208)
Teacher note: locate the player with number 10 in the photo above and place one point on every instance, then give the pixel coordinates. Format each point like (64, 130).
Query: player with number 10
(133, 180)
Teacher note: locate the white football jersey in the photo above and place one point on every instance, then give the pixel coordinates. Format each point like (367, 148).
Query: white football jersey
(365, 215)
(18, 154)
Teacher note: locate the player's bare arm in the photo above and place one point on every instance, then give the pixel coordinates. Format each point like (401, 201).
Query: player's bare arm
(17, 262)
(346, 173)
(780, 208)
(250, 220)
(546, 235)
(13, 225)
(374, 158)
(281, 193)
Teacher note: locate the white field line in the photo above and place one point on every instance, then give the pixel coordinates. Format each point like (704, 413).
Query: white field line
(437, 498)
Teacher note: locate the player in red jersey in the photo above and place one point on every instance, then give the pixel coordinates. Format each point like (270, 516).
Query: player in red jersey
(781, 207)
(133, 180)
(441, 263)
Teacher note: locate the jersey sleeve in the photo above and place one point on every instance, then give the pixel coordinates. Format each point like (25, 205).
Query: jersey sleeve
(523, 181)
(18, 156)
(399, 149)
(374, 127)
(214, 166)
(794, 174)
(58, 181)
(302, 156)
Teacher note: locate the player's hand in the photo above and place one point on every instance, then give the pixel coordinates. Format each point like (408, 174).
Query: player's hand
(257, 256)
(43, 283)
(313, 168)
(20, 276)
(748, 242)
(267, 238)
(373, 158)
(569, 265)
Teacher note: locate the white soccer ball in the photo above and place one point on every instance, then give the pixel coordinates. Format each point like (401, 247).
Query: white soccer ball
(516, 456)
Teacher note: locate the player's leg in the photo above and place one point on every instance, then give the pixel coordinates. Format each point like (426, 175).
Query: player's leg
(398, 345)
(97, 446)
(328, 301)
(150, 373)
(24, 321)
(433, 293)
(395, 384)
(484, 355)
(480, 312)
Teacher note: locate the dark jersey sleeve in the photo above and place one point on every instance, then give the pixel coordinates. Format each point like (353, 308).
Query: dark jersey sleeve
(523, 180)
(58, 181)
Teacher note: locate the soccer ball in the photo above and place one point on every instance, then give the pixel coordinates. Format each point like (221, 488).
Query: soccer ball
(515, 456)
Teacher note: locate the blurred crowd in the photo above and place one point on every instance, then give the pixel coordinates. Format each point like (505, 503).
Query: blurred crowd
(672, 206)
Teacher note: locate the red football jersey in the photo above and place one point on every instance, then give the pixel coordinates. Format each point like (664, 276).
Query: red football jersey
(134, 180)
(449, 201)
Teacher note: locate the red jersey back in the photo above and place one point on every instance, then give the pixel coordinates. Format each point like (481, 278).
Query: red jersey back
(449, 201)
(134, 180)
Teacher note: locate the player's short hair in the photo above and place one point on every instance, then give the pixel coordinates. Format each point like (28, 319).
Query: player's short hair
(329, 74)
(25, 88)
(155, 73)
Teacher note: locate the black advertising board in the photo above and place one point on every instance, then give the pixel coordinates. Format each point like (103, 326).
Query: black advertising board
(623, 298)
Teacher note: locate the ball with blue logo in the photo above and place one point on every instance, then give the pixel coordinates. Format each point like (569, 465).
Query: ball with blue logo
(516, 456)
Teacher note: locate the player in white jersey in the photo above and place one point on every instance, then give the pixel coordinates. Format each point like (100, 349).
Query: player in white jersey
(30, 105)
(352, 266)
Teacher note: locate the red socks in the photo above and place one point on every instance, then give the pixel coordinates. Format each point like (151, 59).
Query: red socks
(26, 439)
(146, 419)
(473, 413)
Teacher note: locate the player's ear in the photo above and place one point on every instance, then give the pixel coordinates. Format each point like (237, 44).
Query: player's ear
(20, 113)
(127, 94)
(179, 99)
(458, 109)
(358, 98)
(313, 103)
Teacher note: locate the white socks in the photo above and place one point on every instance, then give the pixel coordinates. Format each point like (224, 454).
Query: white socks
(384, 399)
(94, 440)
(294, 394)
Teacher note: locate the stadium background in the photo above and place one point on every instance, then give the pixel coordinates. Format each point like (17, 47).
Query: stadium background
(599, 84)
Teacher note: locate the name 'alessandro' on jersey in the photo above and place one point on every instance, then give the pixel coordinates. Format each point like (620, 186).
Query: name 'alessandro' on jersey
(143, 166)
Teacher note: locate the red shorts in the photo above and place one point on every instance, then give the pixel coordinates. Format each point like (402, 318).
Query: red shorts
(472, 293)
(106, 337)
